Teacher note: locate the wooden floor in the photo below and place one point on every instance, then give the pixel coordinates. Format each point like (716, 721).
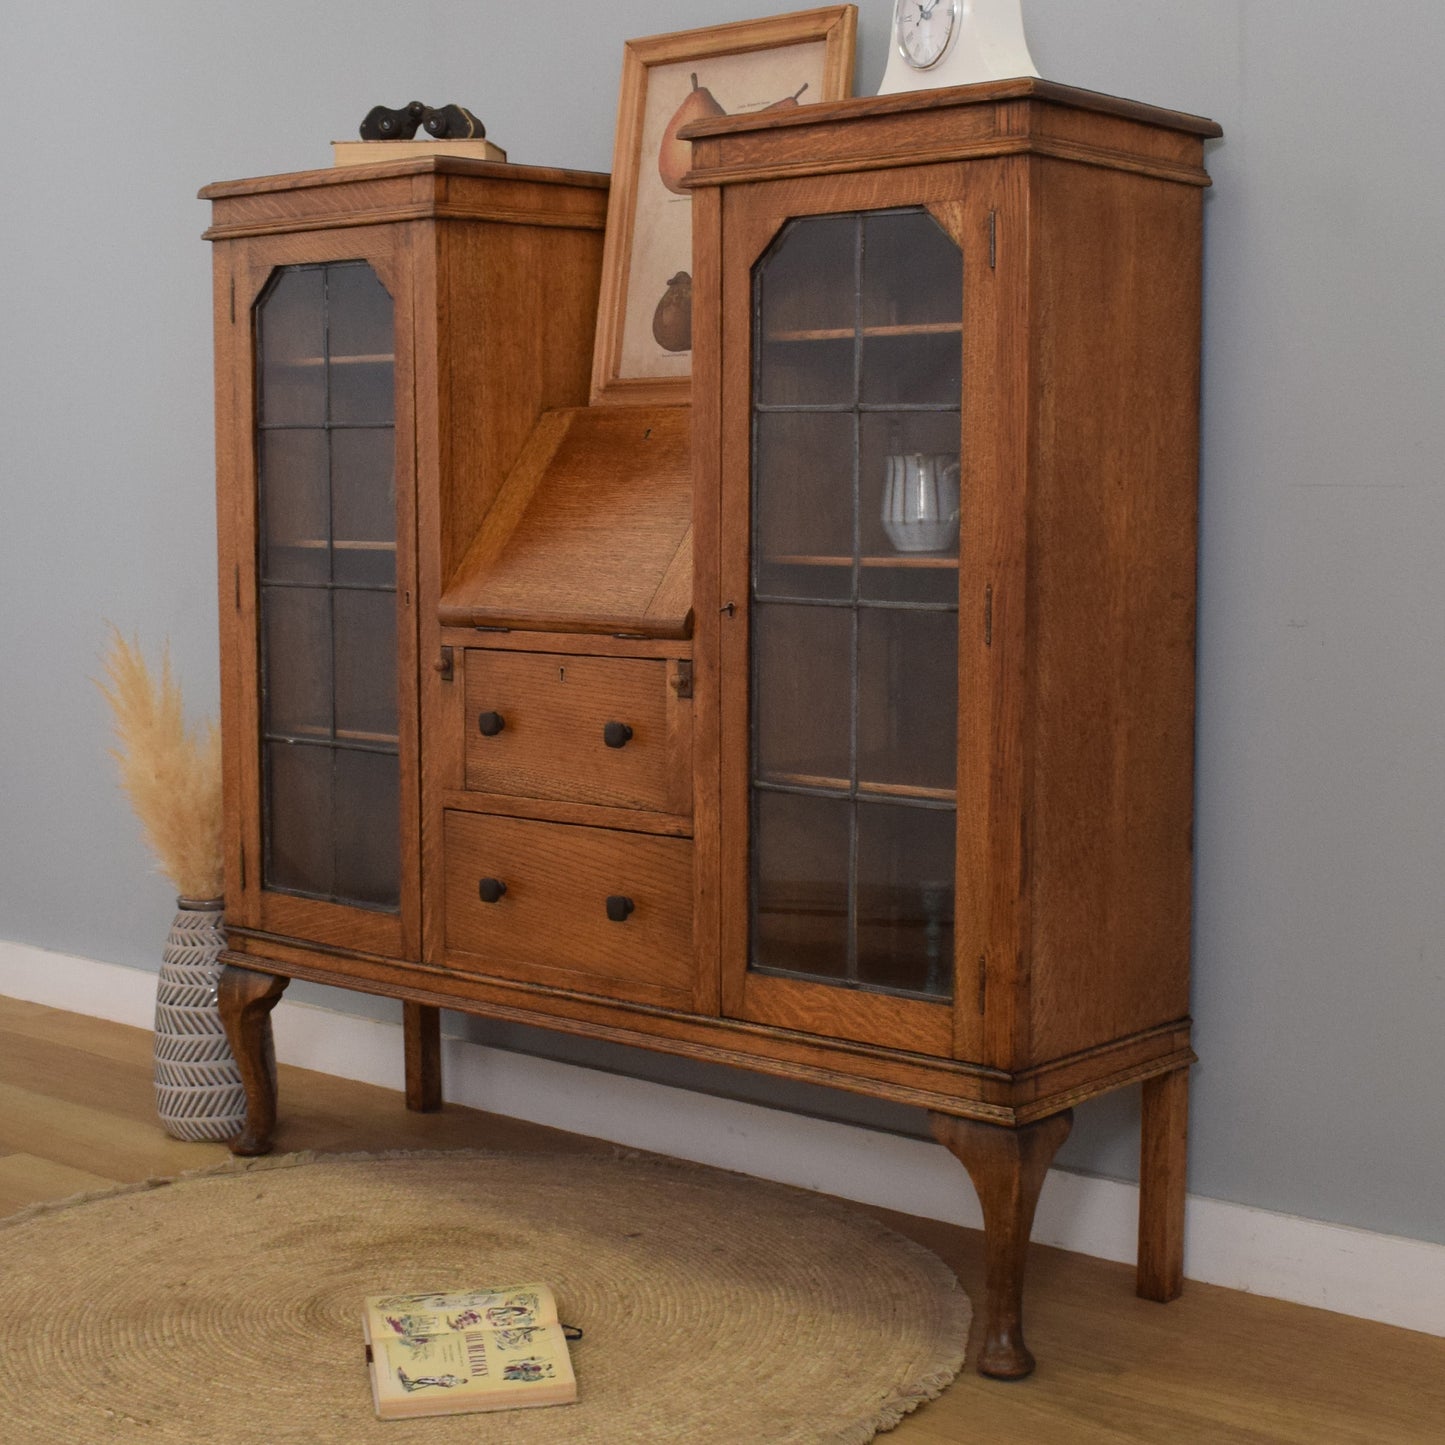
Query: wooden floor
(76, 1113)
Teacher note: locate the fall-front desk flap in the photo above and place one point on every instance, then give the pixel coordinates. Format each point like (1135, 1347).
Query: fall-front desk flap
(591, 532)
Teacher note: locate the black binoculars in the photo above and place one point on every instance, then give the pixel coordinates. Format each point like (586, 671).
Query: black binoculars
(443, 122)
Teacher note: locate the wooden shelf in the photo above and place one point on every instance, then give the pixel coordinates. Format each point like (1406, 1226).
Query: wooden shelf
(847, 333)
(901, 559)
(379, 358)
(340, 735)
(866, 789)
(313, 544)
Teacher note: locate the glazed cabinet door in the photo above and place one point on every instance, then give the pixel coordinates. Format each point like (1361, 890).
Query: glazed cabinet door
(320, 640)
(847, 463)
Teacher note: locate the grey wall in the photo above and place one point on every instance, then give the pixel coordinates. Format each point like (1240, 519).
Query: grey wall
(1320, 989)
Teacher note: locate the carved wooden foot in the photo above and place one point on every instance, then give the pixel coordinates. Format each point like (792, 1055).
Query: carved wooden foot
(422, 1030)
(1007, 1167)
(1162, 1186)
(246, 999)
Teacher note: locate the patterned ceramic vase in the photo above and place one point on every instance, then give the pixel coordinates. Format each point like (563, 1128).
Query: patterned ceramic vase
(198, 1086)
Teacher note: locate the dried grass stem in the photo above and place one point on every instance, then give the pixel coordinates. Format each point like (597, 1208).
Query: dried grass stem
(171, 775)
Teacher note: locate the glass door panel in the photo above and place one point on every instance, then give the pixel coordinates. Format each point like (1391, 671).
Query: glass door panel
(857, 389)
(907, 685)
(326, 451)
(800, 888)
(363, 506)
(802, 672)
(803, 542)
(366, 818)
(912, 274)
(905, 898)
(908, 469)
(292, 375)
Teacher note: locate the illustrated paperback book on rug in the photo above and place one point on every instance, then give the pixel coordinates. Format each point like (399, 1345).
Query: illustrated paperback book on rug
(486, 1349)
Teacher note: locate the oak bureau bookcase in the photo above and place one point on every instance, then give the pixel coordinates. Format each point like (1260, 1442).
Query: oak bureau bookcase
(838, 725)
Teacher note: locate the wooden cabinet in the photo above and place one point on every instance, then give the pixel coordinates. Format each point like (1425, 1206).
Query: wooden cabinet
(837, 725)
(386, 339)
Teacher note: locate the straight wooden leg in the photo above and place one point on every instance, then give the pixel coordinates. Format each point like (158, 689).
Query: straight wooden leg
(1007, 1167)
(246, 999)
(1162, 1158)
(422, 1029)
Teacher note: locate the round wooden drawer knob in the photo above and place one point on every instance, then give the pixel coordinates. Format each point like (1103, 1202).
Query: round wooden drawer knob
(490, 724)
(491, 889)
(619, 907)
(616, 735)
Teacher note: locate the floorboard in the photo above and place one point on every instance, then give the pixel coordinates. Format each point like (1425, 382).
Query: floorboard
(1215, 1367)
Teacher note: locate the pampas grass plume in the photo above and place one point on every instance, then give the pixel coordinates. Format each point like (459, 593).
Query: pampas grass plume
(171, 775)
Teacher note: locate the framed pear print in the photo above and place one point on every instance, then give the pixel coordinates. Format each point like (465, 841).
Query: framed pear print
(643, 350)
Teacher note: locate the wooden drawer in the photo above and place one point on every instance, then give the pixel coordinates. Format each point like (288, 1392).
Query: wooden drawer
(606, 730)
(551, 923)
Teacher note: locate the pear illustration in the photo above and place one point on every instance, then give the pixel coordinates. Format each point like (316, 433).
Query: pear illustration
(672, 321)
(674, 157)
(788, 101)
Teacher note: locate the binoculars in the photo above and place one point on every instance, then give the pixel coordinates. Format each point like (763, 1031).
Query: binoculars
(443, 122)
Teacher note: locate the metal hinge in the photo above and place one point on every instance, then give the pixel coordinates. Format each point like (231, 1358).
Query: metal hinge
(988, 616)
(982, 982)
(444, 665)
(682, 678)
(992, 239)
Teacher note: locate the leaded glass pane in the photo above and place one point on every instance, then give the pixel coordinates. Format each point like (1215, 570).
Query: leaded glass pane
(857, 390)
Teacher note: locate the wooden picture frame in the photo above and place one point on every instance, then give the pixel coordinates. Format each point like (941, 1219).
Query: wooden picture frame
(642, 352)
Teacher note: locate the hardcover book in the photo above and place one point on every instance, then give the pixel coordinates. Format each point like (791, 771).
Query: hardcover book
(369, 152)
(486, 1349)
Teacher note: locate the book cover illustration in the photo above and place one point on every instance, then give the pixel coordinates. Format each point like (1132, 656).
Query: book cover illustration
(489, 1349)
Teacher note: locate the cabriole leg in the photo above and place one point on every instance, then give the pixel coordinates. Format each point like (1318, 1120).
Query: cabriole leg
(1007, 1167)
(1162, 1158)
(246, 999)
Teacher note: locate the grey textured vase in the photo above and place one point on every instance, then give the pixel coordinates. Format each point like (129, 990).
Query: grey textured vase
(198, 1086)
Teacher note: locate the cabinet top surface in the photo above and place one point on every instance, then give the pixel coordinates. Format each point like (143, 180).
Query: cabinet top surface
(415, 166)
(1023, 117)
(954, 97)
(425, 188)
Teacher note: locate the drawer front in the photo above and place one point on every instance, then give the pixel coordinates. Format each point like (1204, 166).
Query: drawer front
(605, 730)
(588, 908)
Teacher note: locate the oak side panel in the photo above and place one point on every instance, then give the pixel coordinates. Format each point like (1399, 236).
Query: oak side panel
(1115, 281)
(520, 305)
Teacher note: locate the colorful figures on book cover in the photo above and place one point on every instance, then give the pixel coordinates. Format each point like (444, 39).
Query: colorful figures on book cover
(411, 1329)
(412, 1317)
(529, 1370)
(451, 1341)
(515, 1339)
(444, 1382)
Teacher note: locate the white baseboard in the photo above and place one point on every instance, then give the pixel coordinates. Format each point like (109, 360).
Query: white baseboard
(1351, 1271)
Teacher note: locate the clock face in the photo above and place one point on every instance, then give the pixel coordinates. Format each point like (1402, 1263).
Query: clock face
(924, 29)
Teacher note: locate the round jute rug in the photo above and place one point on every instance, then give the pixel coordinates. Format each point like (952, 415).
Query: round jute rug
(225, 1306)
